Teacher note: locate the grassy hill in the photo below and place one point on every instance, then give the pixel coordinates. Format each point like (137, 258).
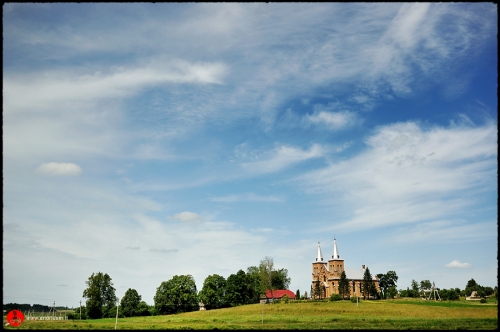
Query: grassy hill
(388, 314)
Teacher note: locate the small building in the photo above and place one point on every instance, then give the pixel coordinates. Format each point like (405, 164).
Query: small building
(202, 306)
(277, 294)
(473, 296)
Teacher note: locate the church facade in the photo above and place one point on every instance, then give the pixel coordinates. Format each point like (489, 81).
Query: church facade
(327, 273)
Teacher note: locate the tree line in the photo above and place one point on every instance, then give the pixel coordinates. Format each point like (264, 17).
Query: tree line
(453, 294)
(28, 307)
(179, 294)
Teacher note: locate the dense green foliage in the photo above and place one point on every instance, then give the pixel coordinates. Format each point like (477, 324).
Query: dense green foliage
(255, 283)
(280, 279)
(344, 286)
(176, 295)
(367, 288)
(213, 292)
(387, 284)
(472, 285)
(100, 295)
(266, 268)
(335, 297)
(129, 303)
(317, 292)
(425, 284)
(239, 289)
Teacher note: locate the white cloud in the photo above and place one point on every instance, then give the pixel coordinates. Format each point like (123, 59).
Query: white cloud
(333, 120)
(53, 168)
(282, 157)
(457, 265)
(408, 174)
(250, 197)
(189, 217)
(52, 88)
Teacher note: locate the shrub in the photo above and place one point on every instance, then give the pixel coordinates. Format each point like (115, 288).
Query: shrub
(482, 300)
(285, 298)
(335, 297)
(355, 299)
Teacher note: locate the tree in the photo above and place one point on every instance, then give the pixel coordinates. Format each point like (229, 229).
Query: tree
(280, 279)
(453, 295)
(305, 295)
(425, 284)
(367, 283)
(143, 309)
(344, 287)
(266, 268)
(392, 292)
(471, 283)
(238, 289)
(100, 295)
(414, 288)
(213, 292)
(130, 303)
(297, 295)
(317, 289)
(471, 286)
(255, 284)
(176, 295)
(387, 281)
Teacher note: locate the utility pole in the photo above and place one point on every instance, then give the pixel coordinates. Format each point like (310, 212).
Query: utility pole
(80, 309)
(262, 312)
(54, 310)
(117, 301)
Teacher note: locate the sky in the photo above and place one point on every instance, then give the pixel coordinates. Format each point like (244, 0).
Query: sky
(151, 140)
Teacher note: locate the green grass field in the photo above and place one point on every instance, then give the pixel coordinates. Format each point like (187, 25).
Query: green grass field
(388, 314)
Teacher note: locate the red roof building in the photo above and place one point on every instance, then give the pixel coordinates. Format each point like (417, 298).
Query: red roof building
(279, 293)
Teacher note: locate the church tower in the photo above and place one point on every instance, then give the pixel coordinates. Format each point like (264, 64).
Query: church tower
(335, 267)
(319, 274)
(318, 263)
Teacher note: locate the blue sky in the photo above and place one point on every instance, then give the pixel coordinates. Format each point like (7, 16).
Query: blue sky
(152, 140)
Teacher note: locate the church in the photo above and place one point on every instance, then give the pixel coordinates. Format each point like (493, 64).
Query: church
(328, 273)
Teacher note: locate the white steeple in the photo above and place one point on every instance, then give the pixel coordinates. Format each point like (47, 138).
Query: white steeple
(335, 250)
(319, 256)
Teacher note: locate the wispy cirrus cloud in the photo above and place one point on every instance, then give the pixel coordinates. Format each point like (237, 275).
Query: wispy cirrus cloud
(409, 174)
(250, 197)
(48, 89)
(283, 156)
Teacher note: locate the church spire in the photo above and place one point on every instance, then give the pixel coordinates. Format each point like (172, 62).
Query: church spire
(319, 256)
(335, 250)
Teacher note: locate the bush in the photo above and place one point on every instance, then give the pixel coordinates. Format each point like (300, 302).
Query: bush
(285, 298)
(335, 297)
(355, 299)
(482, 300)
